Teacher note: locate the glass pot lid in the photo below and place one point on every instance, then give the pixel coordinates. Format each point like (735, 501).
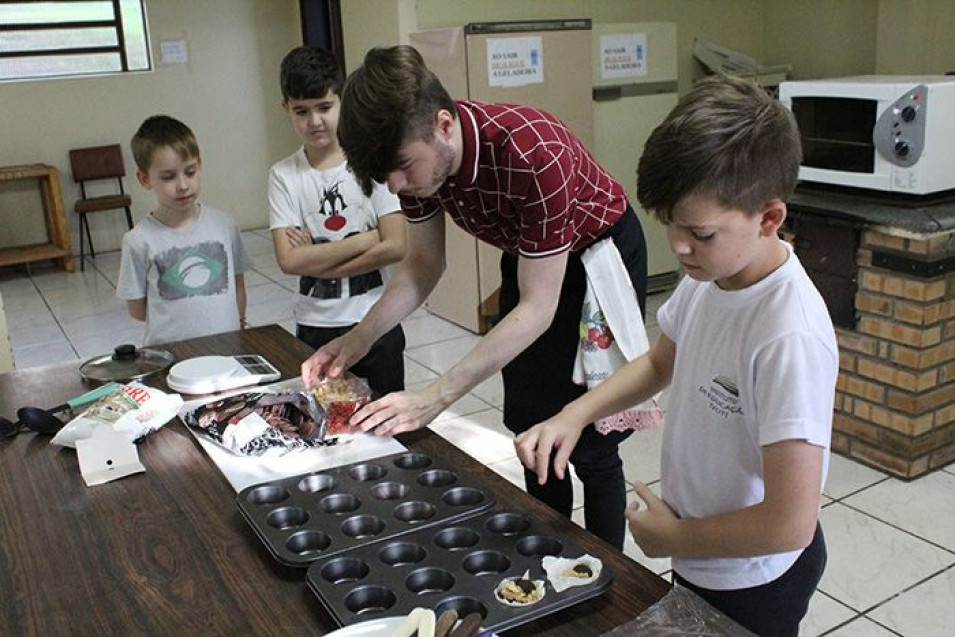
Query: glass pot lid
(126, 363)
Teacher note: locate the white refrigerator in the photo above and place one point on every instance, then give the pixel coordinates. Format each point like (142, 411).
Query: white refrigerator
(634, 75)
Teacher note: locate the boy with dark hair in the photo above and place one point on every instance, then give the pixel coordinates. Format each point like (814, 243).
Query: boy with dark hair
(750, 356)
(182, 268)
(339, 240)
(515, 177)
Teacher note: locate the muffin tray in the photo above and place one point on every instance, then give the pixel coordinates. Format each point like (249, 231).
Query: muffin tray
(306, 517)
(455, 566)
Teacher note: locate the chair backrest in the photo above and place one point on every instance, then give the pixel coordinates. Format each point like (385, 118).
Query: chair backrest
(99, 162)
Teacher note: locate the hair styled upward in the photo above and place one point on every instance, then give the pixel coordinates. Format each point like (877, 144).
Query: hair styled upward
(160, 131)
(389, 99)
(309, 73)
(727, 139)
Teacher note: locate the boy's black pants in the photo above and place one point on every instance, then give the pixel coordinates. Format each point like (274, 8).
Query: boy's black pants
(775, 608)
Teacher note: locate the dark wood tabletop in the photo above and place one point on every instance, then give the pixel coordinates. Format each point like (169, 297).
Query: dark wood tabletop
(167, 552)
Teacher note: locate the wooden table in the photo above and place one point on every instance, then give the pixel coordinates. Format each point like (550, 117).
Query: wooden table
(167, 552)
(58, 247)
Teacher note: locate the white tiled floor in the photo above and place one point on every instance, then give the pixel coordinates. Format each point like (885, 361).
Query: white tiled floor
(891, 543)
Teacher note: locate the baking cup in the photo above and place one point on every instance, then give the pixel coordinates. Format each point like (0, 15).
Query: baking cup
(558, 567)
(538, 587)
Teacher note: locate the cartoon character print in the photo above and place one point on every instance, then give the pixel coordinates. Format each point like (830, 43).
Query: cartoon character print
(594, 332)
(332, 207)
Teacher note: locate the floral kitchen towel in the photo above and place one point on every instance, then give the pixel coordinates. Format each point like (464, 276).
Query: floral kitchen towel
(611, 334)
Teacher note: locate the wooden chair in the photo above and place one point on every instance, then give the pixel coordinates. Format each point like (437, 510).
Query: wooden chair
(96, 164)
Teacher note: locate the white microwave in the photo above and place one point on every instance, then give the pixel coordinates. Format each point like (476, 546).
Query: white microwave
(881, 132)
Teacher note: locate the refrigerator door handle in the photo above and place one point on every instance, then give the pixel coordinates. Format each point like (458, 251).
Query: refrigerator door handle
(617, 91)
(607, 93)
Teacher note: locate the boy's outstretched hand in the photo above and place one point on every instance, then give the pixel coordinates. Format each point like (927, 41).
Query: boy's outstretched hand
(535, 445)
(652, 522)
(333, 358)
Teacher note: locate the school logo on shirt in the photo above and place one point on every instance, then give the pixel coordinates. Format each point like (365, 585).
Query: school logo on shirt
(199, 270)
(722, 396)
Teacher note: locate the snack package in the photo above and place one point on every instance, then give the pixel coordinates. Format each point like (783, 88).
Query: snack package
(135, 411)
(340, 398)
(249, 424)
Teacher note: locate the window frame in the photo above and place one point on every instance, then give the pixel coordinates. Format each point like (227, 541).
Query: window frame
(119, 49)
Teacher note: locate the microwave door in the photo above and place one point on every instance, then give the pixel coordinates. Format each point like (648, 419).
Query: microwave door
(837, 144)
(837, 133)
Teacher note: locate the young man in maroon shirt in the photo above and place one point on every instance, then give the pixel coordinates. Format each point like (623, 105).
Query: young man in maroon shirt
(517, 178)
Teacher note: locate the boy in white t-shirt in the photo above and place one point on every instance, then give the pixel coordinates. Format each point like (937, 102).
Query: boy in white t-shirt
(750, 357)
(182, 269)
(325, 230)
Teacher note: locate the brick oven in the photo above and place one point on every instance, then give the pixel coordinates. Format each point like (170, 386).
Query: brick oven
(887, 271)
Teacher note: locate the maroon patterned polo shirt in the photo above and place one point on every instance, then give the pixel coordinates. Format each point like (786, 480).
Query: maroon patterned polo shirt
(526, 184)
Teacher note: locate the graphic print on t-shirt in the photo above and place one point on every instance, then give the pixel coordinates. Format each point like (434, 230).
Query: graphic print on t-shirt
(332, 206)
(198, 270)
(722, 396)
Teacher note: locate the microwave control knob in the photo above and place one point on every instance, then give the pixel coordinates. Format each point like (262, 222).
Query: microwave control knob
(908, 114)
(902, 148)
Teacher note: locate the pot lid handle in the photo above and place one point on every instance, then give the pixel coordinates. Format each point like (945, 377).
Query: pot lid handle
(125, 352)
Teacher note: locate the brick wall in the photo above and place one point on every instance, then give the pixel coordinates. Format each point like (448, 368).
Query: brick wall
(895, 397)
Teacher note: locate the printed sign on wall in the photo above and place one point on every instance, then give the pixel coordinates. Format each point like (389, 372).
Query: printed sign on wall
(515, 61)
(623, 55)
(173, 52)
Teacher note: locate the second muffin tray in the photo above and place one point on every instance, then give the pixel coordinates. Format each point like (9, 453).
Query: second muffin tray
(312, 516)
(455, 566)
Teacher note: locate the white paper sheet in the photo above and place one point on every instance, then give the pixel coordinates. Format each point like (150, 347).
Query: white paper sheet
(243, 471)
(107, 455)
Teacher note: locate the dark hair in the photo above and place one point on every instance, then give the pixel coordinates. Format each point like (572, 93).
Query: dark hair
(389, 99)
(309, 73)
(727, 138)
(159, 131)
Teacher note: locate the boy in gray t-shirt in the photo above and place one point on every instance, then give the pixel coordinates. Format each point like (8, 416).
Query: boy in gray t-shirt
(183, 265)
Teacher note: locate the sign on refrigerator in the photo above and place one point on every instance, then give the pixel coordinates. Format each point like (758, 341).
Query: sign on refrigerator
(515, 61)
(623, 55)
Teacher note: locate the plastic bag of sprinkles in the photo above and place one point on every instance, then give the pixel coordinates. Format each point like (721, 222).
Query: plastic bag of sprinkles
(340, 398)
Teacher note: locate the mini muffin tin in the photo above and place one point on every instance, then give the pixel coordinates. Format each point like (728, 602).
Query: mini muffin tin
(454, 566)
(315, 515)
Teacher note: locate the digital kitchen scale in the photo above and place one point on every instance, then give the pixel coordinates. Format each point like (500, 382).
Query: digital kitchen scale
(211, 374)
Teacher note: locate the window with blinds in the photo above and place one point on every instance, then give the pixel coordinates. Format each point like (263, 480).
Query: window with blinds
(60, 38)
